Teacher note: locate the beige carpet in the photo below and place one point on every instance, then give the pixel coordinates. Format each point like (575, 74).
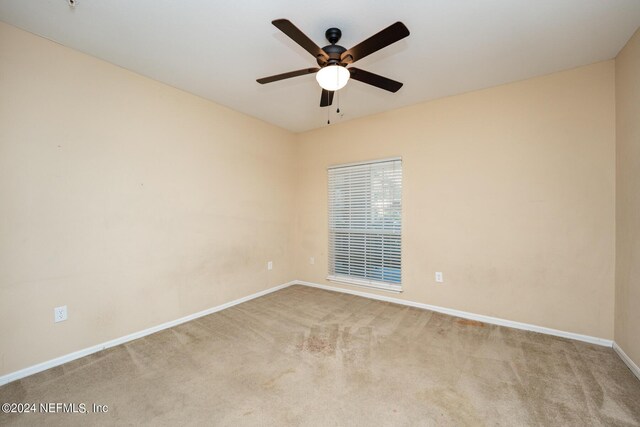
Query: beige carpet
(303, 356)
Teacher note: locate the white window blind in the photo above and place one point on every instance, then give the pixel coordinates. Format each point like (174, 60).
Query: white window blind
(365, 225)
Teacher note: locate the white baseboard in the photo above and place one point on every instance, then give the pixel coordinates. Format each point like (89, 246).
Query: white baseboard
(627, 360)
(96, 348)
(467, 315)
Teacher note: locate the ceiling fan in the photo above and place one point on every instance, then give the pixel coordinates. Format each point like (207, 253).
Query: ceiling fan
(333, 74)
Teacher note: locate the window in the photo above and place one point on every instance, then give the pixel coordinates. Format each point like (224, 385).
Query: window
(365, 224)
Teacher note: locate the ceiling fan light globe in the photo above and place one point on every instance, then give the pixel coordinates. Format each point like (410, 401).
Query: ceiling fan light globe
(333, 77)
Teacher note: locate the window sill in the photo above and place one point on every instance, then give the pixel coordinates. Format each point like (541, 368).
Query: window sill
(381, 286)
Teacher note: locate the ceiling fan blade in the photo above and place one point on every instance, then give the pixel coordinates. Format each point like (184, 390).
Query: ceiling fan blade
(287, 75)
(375, 80)
(380, 40)
(326, 99)
(299, 37)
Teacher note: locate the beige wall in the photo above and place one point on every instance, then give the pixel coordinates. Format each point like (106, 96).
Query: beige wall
(129, 201)
(627, 322)
(508, 191)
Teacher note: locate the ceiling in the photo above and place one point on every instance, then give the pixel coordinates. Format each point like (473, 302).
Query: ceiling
(216, 49)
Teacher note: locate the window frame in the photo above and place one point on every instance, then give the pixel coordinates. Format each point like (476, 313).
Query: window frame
(395, 287)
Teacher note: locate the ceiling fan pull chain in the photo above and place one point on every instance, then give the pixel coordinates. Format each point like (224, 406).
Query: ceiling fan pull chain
(338, 85)
(328, 109)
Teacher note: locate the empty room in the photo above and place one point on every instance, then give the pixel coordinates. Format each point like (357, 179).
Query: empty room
(286, 213)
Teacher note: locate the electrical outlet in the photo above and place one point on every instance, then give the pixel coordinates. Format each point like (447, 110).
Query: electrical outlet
(439, 277)
(60, 314)
(270, 265)
(312, 260)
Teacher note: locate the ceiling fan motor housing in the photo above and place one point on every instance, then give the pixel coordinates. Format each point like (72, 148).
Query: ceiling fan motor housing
(333, 50)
